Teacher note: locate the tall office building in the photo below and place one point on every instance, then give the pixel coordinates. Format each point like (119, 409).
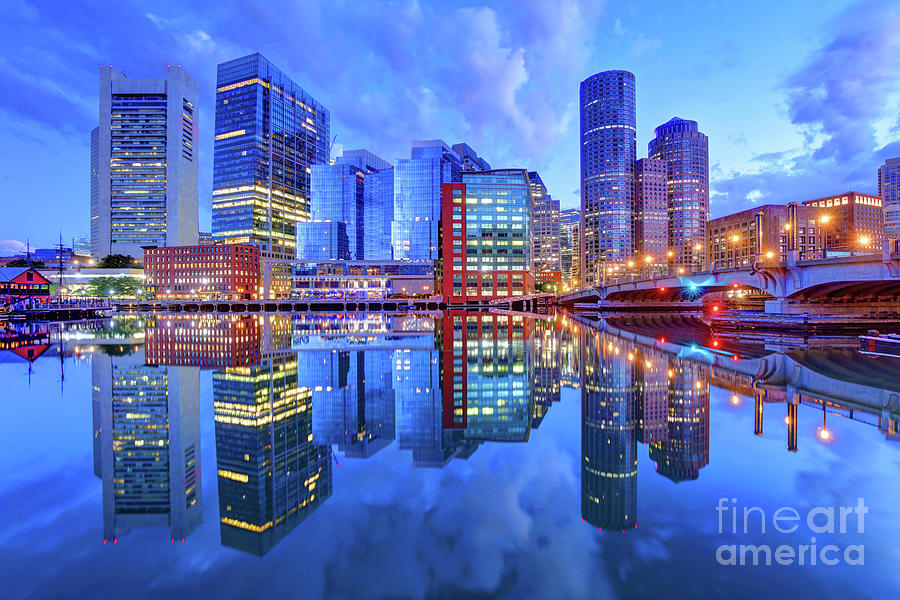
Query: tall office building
(651, 218)
(146, 444)
(417, 194)
(544, 232)
(356, 190)
(269, 133)
(485, 230)
(144, 163)
(889, 190)
(685, 150)
(569, 246)
(608, 151)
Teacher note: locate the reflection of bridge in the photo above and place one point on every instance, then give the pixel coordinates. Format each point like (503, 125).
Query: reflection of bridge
(866, 283)
(840, 382)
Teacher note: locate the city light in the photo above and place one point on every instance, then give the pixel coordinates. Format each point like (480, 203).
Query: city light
(735, 400)
(770, 254)
(865, 240)
(824, 434)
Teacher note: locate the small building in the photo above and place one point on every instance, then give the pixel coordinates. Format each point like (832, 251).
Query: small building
(23, 281)
(361, 279)
(224, 271)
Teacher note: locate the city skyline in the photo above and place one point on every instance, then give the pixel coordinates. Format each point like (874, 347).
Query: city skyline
(779, 131)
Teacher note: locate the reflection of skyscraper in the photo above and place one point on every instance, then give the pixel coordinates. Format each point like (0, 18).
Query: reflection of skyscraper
(147, 434)
(651, 397)
(608, 444)
(271, 474)
(354, 408)
(487, 375)
(546, 355)
(686, 450)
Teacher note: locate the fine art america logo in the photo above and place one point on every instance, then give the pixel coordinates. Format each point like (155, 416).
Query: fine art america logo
(821, 520)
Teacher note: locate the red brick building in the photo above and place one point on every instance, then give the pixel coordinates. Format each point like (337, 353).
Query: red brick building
(227, 271)
(485, 237)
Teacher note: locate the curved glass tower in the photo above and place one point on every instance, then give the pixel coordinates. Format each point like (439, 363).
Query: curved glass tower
(608, 152)
(685, 149)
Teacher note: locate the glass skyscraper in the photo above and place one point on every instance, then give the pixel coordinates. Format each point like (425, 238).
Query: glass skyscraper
(144, 163)
(417, 195)
(569, 245)
(608, 151)
(358, 191)
(685, 149)
(889, 190)
(269, 133)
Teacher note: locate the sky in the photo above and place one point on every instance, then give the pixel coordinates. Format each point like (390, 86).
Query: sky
(799, 99)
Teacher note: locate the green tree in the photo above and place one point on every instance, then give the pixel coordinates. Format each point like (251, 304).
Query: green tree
(22, 262)
(116, 261)
(105, 287)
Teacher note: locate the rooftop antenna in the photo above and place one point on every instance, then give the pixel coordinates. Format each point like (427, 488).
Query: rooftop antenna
(27, 252)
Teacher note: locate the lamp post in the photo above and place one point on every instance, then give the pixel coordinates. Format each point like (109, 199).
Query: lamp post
(697, 248)
(735, 240)
(825, 220)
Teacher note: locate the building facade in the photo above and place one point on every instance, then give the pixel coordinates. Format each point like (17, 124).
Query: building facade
(545, 233)
(417, 195)
(855, 221)
(23, 281)
(222, 271)
(685, 150)
(144, 163)
(346, 279)
(743, 237)
(889, 192)
(651, 218)
(268, 135)
(608, 152)
(323, 240)
(485, 230)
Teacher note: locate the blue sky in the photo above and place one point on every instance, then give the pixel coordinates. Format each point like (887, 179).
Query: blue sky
(799, 99)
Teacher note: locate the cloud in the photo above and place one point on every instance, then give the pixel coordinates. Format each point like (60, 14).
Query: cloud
(639, 44)
(11, 247)
(844, 100)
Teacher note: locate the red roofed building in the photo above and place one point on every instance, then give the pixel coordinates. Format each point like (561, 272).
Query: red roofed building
(23, 281)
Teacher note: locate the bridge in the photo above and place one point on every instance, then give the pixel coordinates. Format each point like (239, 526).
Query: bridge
(282, 306)
(809, 283)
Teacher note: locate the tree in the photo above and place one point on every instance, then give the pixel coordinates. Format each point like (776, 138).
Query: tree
(22, 262)
(116, 261)
(115, 286)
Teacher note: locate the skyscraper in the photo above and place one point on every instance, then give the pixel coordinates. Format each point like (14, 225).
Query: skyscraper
(608, 151)
(569, 245)
(889, 190)
(356, 190)
(417, 194)
(269, 133)
(685, 149)
(144, 163)
(651, 217)
(544, 232)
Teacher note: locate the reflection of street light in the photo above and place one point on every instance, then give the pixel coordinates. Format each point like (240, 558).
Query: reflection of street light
(735, 400)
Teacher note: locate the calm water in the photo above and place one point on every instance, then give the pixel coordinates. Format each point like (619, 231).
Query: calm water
(455, 456)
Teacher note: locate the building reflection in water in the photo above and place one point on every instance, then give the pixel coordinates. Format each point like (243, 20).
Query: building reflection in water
(146, 443)
(608, 440)
(288, 390)
(271, 474)
(637, 393)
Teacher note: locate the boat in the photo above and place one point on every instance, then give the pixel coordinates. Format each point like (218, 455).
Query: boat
(877, 344)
